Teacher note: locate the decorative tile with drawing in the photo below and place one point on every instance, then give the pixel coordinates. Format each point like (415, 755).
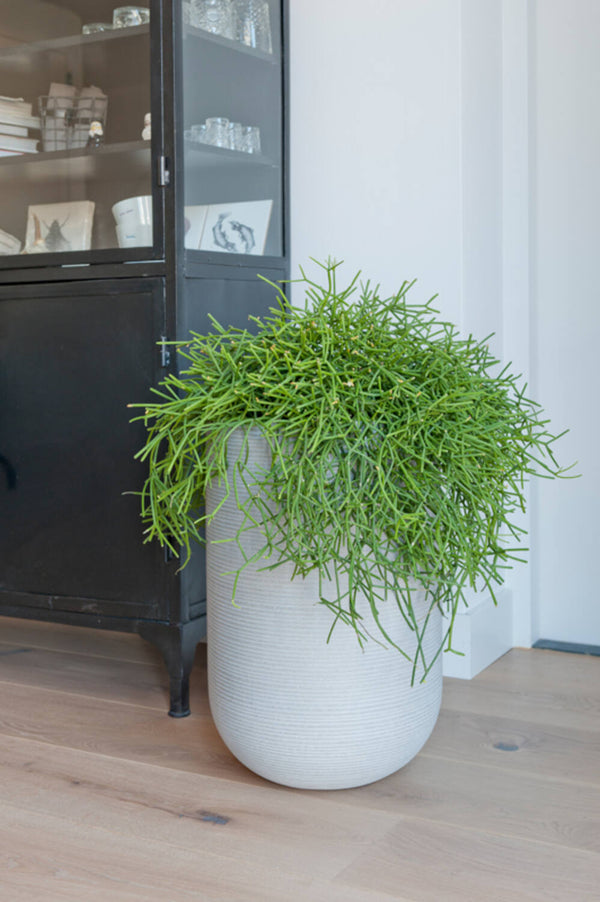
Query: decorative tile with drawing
(237, 228)
(54, 228)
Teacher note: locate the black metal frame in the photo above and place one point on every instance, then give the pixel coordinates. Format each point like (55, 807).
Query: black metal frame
(190, 284)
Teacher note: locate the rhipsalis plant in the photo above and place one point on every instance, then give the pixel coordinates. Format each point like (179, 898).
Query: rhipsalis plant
(400, 452)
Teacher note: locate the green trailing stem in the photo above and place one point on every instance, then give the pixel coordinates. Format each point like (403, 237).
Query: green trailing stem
(400, 451)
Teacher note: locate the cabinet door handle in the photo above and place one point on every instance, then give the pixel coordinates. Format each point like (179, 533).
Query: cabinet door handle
(165, 353)
(164, 174)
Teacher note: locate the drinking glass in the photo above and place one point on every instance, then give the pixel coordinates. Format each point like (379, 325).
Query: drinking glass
(217, 132)
(250, 139)
(254, 24)
(199, 133)
(126, 16)
(215, 16)
(235, 134)
(95, 27)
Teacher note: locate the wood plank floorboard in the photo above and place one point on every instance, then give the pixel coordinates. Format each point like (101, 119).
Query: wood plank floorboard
(135, 683)
(551, 689)
(60, 637)
(488, 799)
(538, 749)
(102, 796)
(433, 862)
(118, 730)
(257, 823)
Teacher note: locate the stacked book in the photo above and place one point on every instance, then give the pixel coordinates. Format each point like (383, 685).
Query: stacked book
(15, 122)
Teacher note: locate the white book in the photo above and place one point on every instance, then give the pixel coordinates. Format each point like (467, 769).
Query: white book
(17, 107)
(13, 142)
(13, 130)
(22, 121)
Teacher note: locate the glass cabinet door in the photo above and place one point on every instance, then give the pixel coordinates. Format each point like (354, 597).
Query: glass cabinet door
(75, 170)
(232, 106)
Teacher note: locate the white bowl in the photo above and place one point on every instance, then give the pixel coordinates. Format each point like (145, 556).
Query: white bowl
(137, 236)
(133, 211)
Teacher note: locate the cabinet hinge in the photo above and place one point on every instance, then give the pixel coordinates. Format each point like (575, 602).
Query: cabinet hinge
(165, 353)
(164, 175)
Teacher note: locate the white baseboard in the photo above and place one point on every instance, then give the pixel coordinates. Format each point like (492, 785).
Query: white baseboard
(482, 632)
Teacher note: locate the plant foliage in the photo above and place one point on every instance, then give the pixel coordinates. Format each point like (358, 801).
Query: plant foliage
(400, 451)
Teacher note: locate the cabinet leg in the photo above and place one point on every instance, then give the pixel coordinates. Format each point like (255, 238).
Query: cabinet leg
(177, 644)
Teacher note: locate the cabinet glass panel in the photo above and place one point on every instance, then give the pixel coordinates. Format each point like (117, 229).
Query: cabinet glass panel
(232, 102)
(75, 86)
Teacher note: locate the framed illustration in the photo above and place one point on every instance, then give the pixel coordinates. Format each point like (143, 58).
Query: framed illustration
(195, 217)
(237, 228)
(56, 228)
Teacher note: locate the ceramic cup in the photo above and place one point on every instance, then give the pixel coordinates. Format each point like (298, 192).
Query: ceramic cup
(138, 236)
(133, 211)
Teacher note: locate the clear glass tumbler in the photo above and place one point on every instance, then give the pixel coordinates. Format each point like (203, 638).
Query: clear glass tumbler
(214, 16)
(95, 27)
(217, 132)
(198, 133)
(254, 24)
(251, 139)
(235, 133)
(127, 16)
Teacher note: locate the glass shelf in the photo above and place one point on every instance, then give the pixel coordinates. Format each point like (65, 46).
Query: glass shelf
(227, 44)
(204, 156)
(70, 41)
(81, 40)
(134, 160)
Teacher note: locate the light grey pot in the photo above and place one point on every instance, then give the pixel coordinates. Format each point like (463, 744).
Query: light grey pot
(291, 707)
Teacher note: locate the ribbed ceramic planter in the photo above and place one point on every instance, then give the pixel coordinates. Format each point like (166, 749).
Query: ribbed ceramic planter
(289, 706)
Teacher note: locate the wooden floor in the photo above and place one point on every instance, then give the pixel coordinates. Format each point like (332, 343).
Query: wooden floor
(103, 797)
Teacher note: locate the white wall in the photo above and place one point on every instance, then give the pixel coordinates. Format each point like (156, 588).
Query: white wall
(566, 250)
(516, 257)
(480, 118)
(457, 141)
(397, 168)
(375, 93)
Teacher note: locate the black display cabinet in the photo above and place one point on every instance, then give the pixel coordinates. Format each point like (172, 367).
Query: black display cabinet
(111, 246)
